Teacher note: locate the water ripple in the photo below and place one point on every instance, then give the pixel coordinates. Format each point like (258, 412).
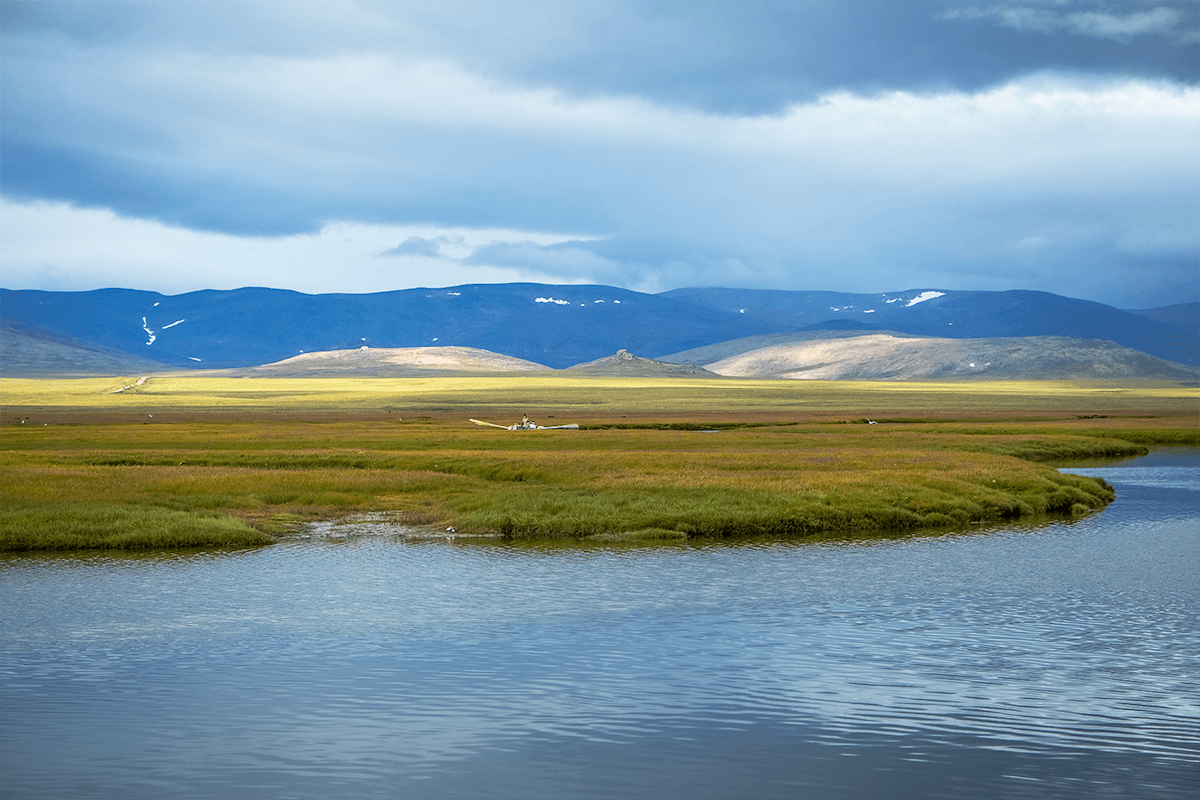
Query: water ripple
(1048, 661)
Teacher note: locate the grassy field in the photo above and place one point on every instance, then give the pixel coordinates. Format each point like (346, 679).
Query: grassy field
(563, 394)
(202, 461)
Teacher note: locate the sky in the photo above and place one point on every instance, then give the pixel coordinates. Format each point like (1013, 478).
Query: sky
(363, 146)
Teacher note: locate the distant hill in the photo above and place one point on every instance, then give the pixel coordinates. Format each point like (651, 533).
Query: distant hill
(1185, 316)
(29, 352)
(712, 353)
(956, 315)
(387, 362)
(625, 364)
(554, 326)
(885, 356)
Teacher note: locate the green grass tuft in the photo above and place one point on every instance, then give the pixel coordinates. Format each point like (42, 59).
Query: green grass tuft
(80, 526)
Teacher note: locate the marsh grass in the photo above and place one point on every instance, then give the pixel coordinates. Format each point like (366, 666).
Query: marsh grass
(792, 480)
(75, 525)
(777, 459)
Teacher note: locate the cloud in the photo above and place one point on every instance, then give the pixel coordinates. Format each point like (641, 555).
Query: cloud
(753, 57)
(785, 145)
(60, 247)
(571, 259)
(416, 246)
(1169, 21)
(851, 190)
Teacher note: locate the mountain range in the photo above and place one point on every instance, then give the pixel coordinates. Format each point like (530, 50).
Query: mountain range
(556, 326)
(858, 355)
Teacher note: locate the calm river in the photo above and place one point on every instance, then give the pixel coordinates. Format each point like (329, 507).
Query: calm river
(1055, 661)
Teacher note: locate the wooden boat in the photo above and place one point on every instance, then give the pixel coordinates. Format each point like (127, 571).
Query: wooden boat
(526, 424)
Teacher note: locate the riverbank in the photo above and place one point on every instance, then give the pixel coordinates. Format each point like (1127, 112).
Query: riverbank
(188, 461)
(231, 483)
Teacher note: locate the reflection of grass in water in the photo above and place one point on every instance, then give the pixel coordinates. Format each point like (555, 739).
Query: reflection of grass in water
(773, 471)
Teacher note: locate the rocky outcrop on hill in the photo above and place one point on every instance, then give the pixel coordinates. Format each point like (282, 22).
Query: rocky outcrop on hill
(625, 364)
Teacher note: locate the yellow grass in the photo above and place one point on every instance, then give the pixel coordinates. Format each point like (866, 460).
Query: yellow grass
(565, 394)
(198, 453)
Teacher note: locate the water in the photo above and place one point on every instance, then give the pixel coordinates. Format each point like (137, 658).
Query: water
(1053, 661)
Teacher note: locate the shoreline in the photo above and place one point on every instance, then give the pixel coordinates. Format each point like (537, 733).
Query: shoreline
(187, 462)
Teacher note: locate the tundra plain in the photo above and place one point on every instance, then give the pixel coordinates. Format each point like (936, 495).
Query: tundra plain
(195, 460)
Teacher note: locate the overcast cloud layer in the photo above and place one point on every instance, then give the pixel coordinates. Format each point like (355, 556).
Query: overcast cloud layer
(366, 146)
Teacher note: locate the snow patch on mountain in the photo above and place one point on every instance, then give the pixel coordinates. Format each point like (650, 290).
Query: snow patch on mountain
(922, 297)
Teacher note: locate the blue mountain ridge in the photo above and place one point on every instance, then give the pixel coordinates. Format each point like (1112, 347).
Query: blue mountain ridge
(958, 315)
(555, 325)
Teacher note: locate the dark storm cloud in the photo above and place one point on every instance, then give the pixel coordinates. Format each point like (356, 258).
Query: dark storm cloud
(758, 57)
(751, 57)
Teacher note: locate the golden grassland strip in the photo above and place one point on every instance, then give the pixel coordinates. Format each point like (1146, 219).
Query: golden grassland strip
(219, 481)
(569, 395)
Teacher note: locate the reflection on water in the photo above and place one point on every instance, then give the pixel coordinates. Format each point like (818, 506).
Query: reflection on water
(1051, 661)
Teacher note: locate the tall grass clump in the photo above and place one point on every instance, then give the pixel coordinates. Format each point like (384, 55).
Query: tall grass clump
(723, 512)
(81, 526)
(1062, 448)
